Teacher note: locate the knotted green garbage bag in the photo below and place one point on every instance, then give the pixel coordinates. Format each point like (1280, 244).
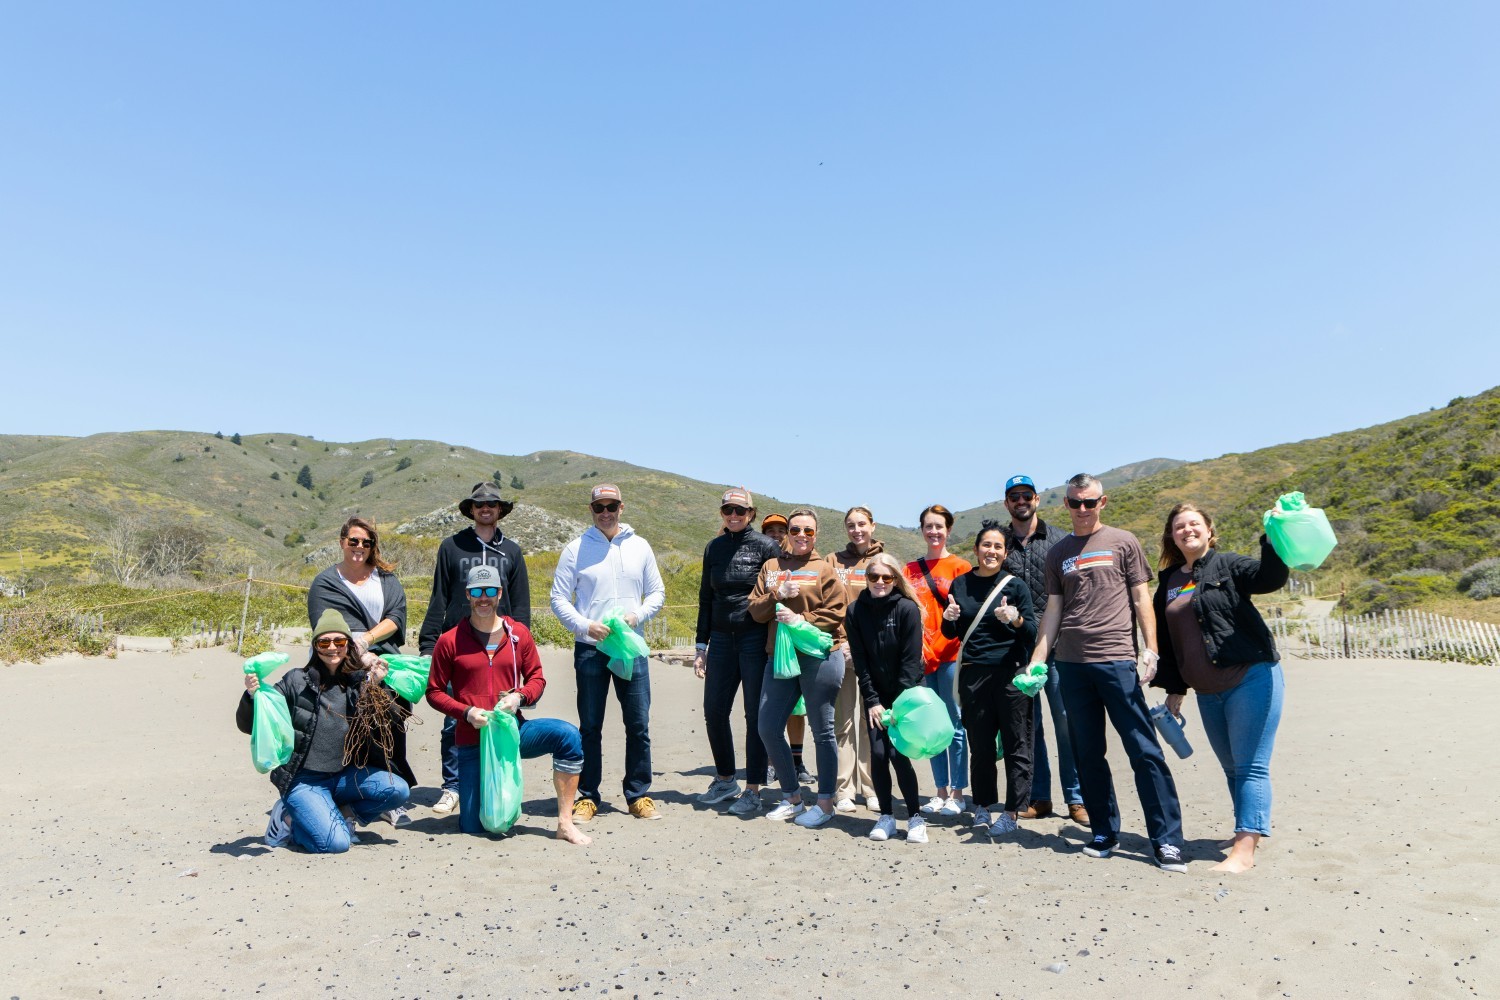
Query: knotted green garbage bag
(1032, 681)
(407, 675)
(623, 645)
(918, 724)
(271, 733)
(1300, 534)
(500, 772)
(802, 637)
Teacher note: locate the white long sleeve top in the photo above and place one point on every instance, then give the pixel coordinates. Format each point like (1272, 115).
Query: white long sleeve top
(596, 575)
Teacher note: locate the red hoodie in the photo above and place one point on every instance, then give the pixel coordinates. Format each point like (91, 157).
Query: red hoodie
(478, 680)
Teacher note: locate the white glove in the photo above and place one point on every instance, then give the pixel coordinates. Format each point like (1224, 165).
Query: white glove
(1145, 666)
(1006, 614)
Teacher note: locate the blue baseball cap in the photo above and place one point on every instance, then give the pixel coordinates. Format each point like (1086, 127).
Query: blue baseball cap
(1015, 481)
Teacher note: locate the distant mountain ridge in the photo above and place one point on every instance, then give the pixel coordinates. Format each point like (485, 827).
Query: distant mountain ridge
(966, 522)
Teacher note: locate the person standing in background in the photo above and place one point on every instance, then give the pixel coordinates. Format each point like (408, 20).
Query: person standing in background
(849, 723)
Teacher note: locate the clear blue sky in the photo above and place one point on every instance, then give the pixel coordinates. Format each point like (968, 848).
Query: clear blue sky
(839, 252)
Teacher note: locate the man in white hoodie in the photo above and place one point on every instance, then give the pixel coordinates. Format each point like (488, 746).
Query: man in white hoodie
(609, 568)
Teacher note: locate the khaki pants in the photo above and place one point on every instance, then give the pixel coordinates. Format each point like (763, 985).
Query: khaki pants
(852, 733)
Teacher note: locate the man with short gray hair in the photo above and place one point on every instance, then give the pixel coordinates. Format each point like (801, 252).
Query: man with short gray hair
(1096, 597)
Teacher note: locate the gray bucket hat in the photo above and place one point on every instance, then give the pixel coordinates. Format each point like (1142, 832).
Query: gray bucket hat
(484, 491)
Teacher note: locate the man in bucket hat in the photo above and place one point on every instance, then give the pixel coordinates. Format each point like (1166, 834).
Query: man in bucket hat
(483, 544)
(609, 569)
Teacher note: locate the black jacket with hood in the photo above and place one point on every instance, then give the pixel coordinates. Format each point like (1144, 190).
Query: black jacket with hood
(458, 554)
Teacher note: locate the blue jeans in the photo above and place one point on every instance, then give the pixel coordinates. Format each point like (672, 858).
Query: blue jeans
(950, 769)
(634, 695)
(1091, 691)
(538, 737)
(313, 801)
(735, 660)
(819, 683)
(1041, 778)
(1241, 727)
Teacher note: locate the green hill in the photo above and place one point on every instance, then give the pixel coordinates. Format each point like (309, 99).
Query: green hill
(966, 522)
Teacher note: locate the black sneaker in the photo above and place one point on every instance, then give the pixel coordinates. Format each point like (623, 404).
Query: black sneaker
(1101, 847)
(803, 778)
(1169, 859)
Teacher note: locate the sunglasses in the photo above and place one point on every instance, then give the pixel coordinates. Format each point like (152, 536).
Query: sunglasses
(484, 591)
(735, 509)
(881, 577)
(809, 532)
(1019, 497)
(339, 643)
(600, 508)
(360, 543)
(486, 503)
(1087, 504)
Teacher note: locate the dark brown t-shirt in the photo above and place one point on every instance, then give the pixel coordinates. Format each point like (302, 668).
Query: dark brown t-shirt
(1187, 640)
(1093, 576)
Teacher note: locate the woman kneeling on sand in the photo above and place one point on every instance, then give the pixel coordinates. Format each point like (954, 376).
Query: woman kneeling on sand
(1214, 641)
(490, 663)
(340, 769)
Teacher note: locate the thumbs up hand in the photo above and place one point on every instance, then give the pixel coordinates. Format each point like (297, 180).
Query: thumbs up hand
(1006, 614)
(950, 613)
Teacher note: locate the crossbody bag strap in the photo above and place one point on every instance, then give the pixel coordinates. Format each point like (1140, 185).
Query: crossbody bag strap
(983, 608)
(937, 595)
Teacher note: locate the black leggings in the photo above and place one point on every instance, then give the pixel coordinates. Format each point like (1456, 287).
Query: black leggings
(992, 707)
(884, 757)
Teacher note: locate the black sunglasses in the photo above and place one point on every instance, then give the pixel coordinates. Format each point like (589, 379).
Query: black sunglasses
(484, 591)
(735, 509)
(1020, 497)
(486, 503)
(600, 508)
(361, 543)
(1088, 504)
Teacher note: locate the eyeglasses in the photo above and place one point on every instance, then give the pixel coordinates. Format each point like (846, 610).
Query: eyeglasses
(486, 503)
(360, 543)
(809, 532)
(484, 591)
(338, 643)
(1088, 503)
(734, 509)
(880, 577)
(600, 508)
(1019, 497)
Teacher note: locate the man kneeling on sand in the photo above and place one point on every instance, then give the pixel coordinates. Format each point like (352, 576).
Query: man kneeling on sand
(491, 663)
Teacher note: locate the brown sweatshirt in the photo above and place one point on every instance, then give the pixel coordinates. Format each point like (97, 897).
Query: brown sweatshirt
(850, 566)
(822, 598)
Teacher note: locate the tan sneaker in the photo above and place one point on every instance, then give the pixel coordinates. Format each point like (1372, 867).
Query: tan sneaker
(1078, 814)
(584, 810)
(644, 808)
(446, 803)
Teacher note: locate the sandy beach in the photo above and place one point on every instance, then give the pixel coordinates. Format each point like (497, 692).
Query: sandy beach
(133, 866)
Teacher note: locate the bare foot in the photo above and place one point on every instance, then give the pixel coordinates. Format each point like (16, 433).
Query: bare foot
(572, 835)
(1234, 864)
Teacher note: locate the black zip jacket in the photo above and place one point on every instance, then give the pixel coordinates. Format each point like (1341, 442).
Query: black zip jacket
(885, 642)
(731, 563)
(450, 605)
(301, 686)
(993, 644)
(1029, 561)
(1233, 629)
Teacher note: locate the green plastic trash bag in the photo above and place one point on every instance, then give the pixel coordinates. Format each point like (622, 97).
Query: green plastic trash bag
(802, 637)
(623, 645)
(407, 675)
(1300, 534)
(801, 707)
(918, 724)
(1032, 681)
(271, 733)
(500, 772)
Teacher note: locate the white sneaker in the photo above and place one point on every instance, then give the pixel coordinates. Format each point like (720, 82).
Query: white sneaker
(719, 790)
(934, 804)
(951, 807)
(813, 817)
(873, 804)
(916, 830)
(446, 803)
(982, 816)
(785, 810)
(1003, 825)
(885, 828)
(844, 806)
(396, 817)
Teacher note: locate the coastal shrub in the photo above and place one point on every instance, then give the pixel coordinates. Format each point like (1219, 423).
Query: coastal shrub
(1481, 580)
(368, 479)
(548, 631)
(404, 464)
